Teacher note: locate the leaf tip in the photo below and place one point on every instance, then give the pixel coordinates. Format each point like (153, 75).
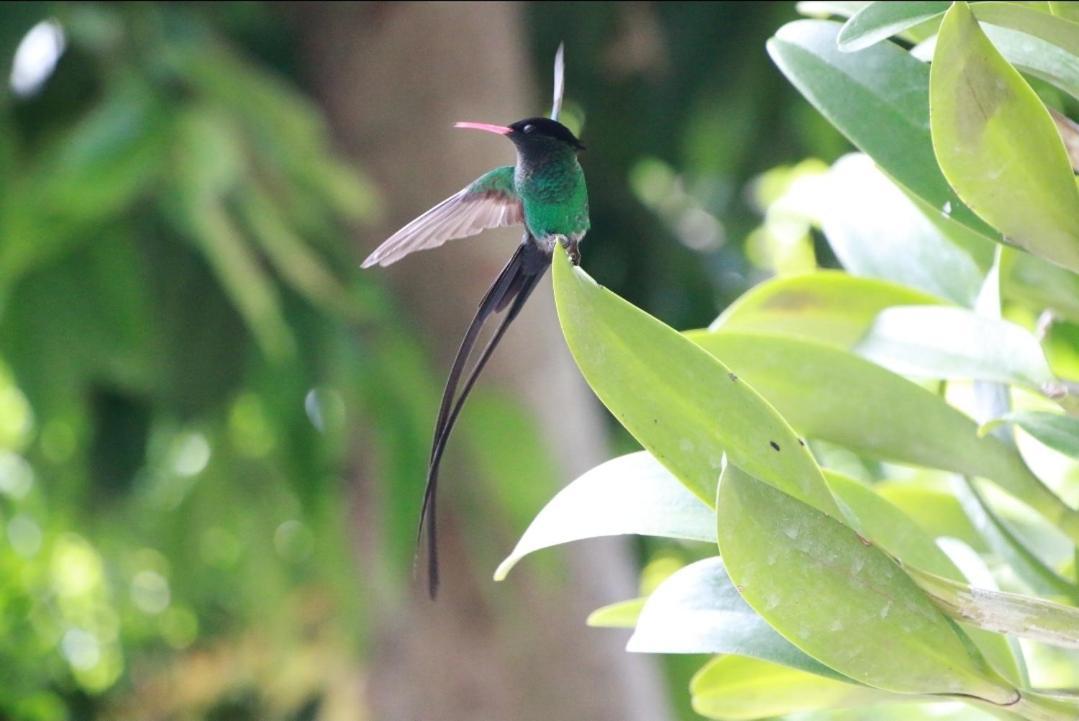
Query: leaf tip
(505, 567)
(988, 427)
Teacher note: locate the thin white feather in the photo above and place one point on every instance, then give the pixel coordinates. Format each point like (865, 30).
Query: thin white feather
(559, 81)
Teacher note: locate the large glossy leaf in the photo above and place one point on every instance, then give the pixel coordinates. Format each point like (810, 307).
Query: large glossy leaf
(1036, 42)
(1033, 55)
(884, 524)
(997, 144)
(694, 610)
(955, 343)
(867, 619)
(633, 494)
(735, 688)
(878, 98)
(880, 20)
(682, 404)
(839, 397)
(827, 306)
(876, 230)
(698, 610)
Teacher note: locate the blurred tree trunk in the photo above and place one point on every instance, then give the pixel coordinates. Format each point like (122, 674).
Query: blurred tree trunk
(393, 78)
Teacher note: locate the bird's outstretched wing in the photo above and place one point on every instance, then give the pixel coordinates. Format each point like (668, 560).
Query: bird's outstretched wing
(559, 81)
(489, 202)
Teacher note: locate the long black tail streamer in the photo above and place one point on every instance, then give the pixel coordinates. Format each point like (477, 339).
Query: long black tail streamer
(511, 289)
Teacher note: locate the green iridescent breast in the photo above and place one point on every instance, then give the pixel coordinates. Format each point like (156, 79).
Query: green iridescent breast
(555, 198)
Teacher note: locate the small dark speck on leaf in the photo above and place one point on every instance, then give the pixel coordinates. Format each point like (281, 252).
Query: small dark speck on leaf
(774, 445)
(732, 376)
(865, 541)
(801, 443)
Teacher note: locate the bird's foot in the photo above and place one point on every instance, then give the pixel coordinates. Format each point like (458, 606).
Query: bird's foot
(572, 249)
(574, 253)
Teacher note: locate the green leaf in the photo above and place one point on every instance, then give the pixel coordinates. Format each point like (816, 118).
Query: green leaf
(632, 494)
(1010, 613)
(297, 263)
(980, 248)
(824, 8)
(208, 164)
(838, 397)
(1040, 283)
(1061, 433)
(638, 495)
(876, 230)
(937, 512)
(1069, 133)
(867, 619)
(734, 688)
(698, 610)
(991, 398)
(827, 306)
(888, 527)
(874, 517)
(1033, 55)
(1006, 544)
(1049, 705)
(880, 20)
(1066, 10)
(997, 144)
(681, 403)
(878, 98)
(249, 287)
(955, 343)
(93, 172)
(1036, 42)
(623, 614)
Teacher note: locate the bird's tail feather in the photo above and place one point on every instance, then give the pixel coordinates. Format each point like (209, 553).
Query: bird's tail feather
(512, 288)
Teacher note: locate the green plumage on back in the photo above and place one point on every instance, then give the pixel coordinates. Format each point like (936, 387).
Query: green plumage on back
(499, 180)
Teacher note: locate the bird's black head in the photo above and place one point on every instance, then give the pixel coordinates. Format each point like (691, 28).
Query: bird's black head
(541, 132)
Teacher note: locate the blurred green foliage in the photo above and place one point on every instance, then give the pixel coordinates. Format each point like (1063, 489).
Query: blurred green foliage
(183, 345)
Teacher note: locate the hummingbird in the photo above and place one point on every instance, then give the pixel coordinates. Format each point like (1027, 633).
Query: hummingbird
(545, 192)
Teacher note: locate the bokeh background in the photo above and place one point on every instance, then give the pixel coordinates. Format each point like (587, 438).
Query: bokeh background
(214, 427)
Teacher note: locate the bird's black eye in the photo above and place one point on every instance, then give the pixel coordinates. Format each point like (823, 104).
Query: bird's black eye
(528, 128)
